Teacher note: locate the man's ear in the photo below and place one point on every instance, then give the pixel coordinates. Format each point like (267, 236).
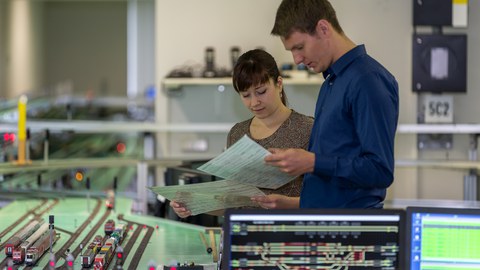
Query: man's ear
(323, 27)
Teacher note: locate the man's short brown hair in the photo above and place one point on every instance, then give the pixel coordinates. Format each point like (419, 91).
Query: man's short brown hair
(303, 16)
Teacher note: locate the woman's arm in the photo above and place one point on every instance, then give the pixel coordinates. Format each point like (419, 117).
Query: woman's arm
(277, 201)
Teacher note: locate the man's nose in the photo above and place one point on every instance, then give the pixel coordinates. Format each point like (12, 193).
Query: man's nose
(297, 58)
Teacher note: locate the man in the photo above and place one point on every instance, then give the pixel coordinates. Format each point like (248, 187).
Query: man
(350, 158)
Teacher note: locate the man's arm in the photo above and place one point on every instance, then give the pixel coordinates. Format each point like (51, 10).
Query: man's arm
(374, 110)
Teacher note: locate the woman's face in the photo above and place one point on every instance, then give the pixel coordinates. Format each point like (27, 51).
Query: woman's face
(263, 99)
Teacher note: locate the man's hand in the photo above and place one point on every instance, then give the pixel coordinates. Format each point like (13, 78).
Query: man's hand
(293, 161)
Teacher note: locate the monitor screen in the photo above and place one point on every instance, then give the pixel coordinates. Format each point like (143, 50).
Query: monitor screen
(443, 238)
(313, 239)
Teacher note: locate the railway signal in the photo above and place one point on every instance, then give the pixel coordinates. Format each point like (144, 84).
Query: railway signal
(70, 260)
(152, 265)
(79, 174)
(9, 265)
(119, 255)
(51, 220)
(88, 194)
(45, 145)
(27, 145)
(51, 263)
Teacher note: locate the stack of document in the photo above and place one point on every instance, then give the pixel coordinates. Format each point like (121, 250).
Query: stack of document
(243, 167)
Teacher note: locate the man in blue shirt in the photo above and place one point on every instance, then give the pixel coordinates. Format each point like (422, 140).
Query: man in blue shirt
(350, 159)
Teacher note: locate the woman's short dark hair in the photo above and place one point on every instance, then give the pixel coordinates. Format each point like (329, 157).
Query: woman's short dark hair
(253, 68)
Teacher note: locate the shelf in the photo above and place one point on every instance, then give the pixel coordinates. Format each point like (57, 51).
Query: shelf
(90, 163)
(55, 164)
(117, 127)
(175, 83)
(81, 126)
(108, 126)
(439, 128)
(437, 164)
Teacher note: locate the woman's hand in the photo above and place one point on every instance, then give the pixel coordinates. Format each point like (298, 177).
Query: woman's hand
(180, 209)
(277, 201)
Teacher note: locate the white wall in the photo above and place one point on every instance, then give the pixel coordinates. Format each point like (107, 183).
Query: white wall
(85, 43)
(186, 27)
(22, 52)
(45, 42)
(141, 47)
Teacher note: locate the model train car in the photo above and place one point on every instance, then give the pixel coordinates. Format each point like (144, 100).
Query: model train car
(93, 248)
(119, 233)
(103, 258)
(38, 249)
(19, 253)
(109, 226)
(21, 236)
(110, 202)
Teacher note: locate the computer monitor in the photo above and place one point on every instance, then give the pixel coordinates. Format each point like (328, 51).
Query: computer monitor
(443, 238)
(313, 239)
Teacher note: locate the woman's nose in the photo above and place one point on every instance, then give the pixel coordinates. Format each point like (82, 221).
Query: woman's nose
(255, 100)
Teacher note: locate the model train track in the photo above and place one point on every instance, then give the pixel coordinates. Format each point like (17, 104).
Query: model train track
(131, 240)
(141, 247)
(91, 234)
(36, 216)
(39, 215)
(63, 250)
(18, 221)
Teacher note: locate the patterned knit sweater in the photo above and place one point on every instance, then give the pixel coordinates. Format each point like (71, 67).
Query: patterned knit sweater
(293, 133)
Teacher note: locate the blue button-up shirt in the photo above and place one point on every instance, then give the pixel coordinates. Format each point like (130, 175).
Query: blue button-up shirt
(353, 135)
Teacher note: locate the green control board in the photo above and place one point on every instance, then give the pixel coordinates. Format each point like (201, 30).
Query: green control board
(147, 241)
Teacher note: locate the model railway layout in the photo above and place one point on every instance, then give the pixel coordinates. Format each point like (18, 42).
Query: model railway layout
(104, 237)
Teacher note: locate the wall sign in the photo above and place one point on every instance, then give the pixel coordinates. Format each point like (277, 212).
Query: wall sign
(438, 108)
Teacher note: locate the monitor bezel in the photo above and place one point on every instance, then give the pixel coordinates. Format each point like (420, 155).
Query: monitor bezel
(410, 210)
(305, 211)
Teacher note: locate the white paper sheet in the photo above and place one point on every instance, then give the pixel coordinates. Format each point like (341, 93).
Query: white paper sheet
(243, 162)
(209, 196)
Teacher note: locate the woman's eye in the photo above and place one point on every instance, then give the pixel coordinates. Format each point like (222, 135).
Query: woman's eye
(246, 96)
(262, 92)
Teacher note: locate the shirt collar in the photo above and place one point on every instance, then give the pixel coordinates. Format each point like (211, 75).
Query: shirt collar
(344, 61)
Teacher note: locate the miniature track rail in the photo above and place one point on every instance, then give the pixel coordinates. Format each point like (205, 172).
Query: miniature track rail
(63, 250)
(142, 246)
(19, 220)
(37, 216)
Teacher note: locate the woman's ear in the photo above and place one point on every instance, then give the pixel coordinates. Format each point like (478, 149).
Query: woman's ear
(280, 81)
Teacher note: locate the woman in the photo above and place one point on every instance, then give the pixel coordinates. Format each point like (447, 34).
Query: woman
(257, 80)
